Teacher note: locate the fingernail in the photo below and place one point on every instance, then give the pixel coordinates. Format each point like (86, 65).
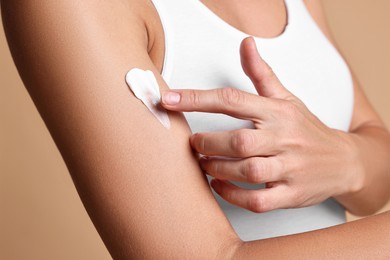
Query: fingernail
(171, 98)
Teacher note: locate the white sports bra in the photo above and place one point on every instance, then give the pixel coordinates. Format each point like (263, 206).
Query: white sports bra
(202, 52)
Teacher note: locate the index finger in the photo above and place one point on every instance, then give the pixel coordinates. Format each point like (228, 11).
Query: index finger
(229, 101)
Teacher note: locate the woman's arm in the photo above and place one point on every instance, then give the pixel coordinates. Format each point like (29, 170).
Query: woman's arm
(139, 182)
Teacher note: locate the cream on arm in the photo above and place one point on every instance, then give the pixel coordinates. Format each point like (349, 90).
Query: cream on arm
(144, 85)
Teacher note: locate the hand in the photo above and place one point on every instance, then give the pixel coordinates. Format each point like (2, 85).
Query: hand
(302, 161)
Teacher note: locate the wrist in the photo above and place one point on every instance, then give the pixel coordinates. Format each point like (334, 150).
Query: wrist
(353, 168)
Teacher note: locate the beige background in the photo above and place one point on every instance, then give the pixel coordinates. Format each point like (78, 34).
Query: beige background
(41, 216)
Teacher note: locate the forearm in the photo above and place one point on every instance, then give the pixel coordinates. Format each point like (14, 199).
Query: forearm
(363, 239)
(371, 144)
(366, 159)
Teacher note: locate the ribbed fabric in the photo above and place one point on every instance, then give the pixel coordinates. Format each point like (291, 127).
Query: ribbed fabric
(202, 52)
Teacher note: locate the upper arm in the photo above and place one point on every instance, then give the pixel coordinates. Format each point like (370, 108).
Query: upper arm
(139, 182)
(363, 113)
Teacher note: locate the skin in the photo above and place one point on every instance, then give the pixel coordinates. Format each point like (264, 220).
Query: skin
(302, 161)
(72, 57)
(283, 150)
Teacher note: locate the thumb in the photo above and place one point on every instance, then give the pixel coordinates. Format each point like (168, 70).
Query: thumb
(260, 73)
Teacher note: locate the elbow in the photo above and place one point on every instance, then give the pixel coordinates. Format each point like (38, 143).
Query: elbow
(232, 250)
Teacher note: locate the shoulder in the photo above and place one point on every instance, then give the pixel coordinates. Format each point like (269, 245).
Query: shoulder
(115, 20)
(136, 14)
(316, 10)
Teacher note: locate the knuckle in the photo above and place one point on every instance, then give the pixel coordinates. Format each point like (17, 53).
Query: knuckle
(294, 121)
(254, 170)
(242, 143)
(287, 107)
(227, 195)
(214, 169)
(292, 111)
(280, 169)
(256, 203)
(231, 97)
(194, 98)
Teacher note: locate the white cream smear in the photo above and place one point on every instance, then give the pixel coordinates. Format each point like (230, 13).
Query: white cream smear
(144, 85)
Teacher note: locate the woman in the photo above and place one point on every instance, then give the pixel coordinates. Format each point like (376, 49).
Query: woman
(140, 182)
